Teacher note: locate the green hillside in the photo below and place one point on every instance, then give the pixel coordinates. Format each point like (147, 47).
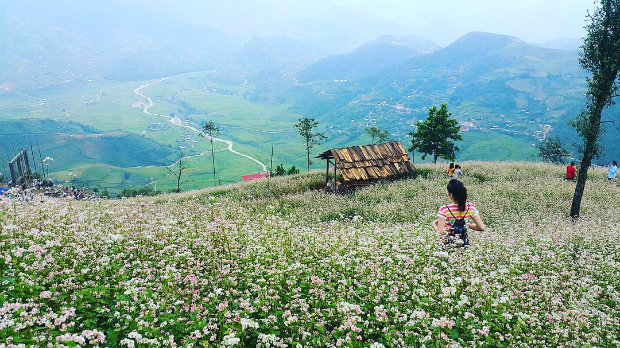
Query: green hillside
(492, 82)
(278, 262)
(72, 144)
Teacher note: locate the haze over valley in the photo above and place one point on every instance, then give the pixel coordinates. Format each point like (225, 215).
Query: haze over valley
(116, 90)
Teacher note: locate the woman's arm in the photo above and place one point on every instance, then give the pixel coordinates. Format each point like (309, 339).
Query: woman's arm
(478, 225)
(439, 225)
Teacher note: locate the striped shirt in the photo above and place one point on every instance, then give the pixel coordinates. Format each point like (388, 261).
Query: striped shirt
(444, 213)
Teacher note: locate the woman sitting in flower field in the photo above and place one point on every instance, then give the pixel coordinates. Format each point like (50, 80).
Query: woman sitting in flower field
(451, 224)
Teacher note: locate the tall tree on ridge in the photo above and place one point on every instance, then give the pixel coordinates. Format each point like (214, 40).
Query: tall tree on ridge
(601, 57)
(211, 130)
(306, 128)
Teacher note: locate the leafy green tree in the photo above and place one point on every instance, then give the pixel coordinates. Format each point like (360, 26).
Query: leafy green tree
(375, 133)
(280, 171)
(551, 150)
(211, 130)
(306, 128)
(436, 135)
(292, 170)
(601, 57)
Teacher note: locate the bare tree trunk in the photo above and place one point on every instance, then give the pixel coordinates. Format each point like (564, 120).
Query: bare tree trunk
(589, 150)
(435, 157)
(308, 152)
(213, 160)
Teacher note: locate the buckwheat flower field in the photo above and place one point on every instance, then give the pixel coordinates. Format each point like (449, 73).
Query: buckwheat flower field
(277, 263)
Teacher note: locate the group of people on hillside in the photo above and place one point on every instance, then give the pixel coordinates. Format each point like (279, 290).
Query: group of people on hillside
(76, 193)
(454, 171)
(42, 184)
(571, 171)
(451, 224)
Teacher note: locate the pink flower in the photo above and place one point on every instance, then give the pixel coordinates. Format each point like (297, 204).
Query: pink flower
(222, 306)
(316, 280)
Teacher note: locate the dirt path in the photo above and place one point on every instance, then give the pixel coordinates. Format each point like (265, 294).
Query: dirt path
(177, 122)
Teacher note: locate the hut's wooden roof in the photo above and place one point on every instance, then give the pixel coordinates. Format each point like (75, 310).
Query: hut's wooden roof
(370, 162)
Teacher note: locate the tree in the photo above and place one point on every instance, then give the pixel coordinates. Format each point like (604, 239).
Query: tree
(436, 135)
(376, 133)
(280, 171)
(211, 130)
(601, 57)
(178, 172)
(306, 128)
(551, 150)
(292, 171)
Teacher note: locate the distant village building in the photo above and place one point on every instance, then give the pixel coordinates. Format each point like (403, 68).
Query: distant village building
(357, 166)
(257, 176)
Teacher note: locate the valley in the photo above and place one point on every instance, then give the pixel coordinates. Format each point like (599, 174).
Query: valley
(167, 113)
(129, 96)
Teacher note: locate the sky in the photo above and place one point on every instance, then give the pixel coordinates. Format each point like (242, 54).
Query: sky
(442, 21)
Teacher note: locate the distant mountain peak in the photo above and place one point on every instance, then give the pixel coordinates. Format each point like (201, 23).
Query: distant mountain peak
(412, 41)
(477, 41)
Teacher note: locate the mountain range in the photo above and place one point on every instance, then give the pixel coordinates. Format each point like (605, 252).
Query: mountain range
(351, 73)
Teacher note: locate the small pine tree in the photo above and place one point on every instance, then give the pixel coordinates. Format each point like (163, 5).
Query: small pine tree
(601, 58)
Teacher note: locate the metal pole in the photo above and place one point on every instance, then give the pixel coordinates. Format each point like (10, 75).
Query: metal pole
(34, 162)
(327, 173)
(3, 165)
(41, 159)
(335, 176)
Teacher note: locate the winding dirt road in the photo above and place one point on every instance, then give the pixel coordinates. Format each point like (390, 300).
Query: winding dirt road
(177, 122)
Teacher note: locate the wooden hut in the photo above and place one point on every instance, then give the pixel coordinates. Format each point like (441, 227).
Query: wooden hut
(363, 165)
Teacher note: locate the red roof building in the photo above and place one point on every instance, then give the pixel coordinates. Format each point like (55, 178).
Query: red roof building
(251, 177)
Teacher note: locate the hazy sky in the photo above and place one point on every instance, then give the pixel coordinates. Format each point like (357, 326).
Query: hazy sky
(445, 20)
(442, 21)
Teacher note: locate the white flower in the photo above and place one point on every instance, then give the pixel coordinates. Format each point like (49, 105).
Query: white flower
(230, 340)
(127, 342)
(248, 323)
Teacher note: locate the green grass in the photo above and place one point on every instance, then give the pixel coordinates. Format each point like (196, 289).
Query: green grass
(495, 146)
(253, 127)
(229, 169)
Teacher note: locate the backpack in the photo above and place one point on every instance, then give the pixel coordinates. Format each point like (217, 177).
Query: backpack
(458, 231)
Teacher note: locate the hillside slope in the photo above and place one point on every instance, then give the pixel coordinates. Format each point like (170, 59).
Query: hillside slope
(273, 261)
(367, 59)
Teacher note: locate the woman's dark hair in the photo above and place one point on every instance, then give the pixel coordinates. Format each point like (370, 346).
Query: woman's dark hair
(572, 163)
(452, 165)
(614, 163)
(459, 192)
